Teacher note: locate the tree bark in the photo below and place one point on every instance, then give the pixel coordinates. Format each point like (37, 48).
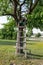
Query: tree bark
(20, 39)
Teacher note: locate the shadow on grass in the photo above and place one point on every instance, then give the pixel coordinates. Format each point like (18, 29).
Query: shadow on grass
(34, 56)
(7, 43)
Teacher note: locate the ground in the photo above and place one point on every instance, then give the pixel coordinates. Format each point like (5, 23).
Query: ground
(7, 53)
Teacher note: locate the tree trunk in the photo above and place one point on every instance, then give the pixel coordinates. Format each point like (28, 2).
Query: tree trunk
(20, 39)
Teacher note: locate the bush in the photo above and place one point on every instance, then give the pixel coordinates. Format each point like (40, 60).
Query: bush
(38, 35)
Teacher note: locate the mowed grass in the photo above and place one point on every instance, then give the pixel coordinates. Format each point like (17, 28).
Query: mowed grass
(7, 46)
(35, 47)
(7, 52)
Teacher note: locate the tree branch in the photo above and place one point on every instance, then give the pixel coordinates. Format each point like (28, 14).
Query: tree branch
(23, 2)
(33, 6)
(17, 2)
(31, 2)
(15, 11)
(12, 2)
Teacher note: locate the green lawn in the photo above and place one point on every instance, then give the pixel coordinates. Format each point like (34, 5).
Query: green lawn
(7, 52)
(36, 47)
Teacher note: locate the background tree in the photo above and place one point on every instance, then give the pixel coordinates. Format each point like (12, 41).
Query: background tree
(38, 35)
(8, 31)
(29, 32)
(15, 8)
(0, 34)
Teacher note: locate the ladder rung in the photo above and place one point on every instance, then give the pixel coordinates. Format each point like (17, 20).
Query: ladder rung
(20, 47)
(22, 42)
(21, 37)
(21, 31)
(21, 26)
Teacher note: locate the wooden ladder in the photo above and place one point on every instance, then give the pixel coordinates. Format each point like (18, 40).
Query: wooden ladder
(24, 37)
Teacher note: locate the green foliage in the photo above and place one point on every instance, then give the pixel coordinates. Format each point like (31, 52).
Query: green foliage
(8, 31)
(41, 2)
(33, 20)
(36, 18)
(29, 33)
(5, 7)
(0, 33)
(38, 35)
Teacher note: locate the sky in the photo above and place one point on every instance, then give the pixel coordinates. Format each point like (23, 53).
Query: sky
(35, 31)
(3, 19)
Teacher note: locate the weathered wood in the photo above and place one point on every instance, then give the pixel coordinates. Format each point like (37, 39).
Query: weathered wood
(21, 26)
(21, 39)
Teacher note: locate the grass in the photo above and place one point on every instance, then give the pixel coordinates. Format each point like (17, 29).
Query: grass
(7, 42)
(36, 48)
(7, 49)
(7, 53)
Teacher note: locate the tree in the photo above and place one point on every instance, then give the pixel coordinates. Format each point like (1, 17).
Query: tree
(8, 31)
(0, 34)
(18, 9)
(38, 35)
(36, 18)
(29, 33)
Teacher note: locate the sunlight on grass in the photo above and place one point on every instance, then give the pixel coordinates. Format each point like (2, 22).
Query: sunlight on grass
(36, 48)
(7, 52)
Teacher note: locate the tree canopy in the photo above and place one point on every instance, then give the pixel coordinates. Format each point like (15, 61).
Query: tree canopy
(20, 8)
(8, 31)
(15, 7)
(36, 18)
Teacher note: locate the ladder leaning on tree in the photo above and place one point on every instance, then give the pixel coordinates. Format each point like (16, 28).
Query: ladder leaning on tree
(21, 37)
